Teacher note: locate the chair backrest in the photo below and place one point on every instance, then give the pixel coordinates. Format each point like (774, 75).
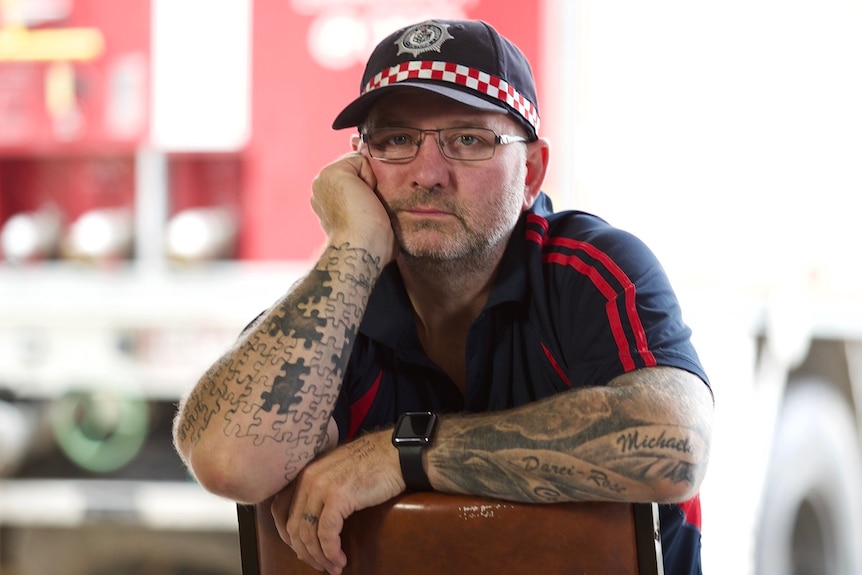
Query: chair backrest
(433, 533)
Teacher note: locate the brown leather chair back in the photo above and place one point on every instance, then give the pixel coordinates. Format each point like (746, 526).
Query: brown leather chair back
(434, 533)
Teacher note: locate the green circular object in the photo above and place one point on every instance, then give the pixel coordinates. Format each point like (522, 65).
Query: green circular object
(100, 430)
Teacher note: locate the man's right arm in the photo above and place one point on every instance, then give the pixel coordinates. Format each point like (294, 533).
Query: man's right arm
(264, 410)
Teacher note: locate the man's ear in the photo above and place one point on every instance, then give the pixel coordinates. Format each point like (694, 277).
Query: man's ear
(355, 142)
(538, 154)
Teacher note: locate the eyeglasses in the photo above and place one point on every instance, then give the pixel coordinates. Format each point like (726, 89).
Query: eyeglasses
(465, 144)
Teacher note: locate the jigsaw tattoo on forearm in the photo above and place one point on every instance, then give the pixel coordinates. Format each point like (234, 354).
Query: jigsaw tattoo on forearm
(282, 378)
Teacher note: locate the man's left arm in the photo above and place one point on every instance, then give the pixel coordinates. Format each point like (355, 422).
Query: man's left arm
(643, 437)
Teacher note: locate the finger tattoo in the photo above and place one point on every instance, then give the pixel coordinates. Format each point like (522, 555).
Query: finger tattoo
(310, 518)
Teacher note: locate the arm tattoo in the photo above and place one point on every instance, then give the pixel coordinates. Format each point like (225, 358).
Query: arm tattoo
(605, 443)
(281, 380)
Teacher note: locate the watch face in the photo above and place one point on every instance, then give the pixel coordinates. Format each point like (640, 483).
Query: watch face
(414, 429)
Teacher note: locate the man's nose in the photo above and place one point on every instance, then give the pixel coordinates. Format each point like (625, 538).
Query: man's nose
(430, 166)
(435, 142)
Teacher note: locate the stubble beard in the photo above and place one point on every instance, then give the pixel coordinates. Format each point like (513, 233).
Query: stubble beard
(472, 244)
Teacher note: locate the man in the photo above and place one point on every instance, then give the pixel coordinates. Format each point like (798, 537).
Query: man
(541, 356)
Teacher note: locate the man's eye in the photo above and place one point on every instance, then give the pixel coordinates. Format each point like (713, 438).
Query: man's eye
(399, 140)
(468, 139)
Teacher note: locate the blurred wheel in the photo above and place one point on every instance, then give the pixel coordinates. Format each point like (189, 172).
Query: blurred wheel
(811, 520)
(100, 430)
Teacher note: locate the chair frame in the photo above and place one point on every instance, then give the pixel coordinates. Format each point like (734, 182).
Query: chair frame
(254, 519)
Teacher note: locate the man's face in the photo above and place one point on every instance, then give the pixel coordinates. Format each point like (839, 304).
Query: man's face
(442, 208)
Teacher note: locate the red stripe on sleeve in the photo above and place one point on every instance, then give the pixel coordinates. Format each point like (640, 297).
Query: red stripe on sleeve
(628, 291)
(691, 510)
(604, 288)
(610, 295)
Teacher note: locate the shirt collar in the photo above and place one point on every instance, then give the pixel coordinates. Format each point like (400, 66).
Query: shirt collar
(511, 283)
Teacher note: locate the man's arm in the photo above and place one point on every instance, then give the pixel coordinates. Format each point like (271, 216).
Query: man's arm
(644, 437)
(264, 410)
(267, 403)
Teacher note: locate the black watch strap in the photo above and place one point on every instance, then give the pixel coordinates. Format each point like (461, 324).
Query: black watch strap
(414, 474)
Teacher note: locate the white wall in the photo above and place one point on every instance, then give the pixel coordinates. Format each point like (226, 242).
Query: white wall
(726, 134)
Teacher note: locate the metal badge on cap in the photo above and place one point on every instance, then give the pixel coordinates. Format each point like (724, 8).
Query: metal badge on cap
(425, 37)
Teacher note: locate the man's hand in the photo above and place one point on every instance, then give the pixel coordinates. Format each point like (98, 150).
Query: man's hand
(345, 200)
(311, 511)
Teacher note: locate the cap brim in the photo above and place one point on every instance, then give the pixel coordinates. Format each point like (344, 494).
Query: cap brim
(356, 112)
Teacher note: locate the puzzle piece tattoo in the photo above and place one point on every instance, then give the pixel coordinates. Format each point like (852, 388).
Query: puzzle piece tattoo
(283, 379)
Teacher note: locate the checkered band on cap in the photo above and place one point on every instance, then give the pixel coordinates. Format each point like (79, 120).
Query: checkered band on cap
(457, 74)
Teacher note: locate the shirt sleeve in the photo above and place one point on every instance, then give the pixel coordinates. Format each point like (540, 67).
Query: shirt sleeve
(617, 309)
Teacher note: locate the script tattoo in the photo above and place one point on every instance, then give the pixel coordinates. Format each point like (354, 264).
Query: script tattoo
(593, 443)
(635, 441)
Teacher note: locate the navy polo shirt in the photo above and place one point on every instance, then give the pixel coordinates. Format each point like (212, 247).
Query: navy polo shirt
(577, 302)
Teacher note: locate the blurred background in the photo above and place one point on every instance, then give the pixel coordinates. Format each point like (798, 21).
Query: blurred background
(155, 166)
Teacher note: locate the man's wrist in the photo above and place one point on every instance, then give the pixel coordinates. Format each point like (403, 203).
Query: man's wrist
(377, 246)
(413, 433)
(412, 469)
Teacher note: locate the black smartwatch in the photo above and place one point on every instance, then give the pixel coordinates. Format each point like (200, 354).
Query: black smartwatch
(413, 433)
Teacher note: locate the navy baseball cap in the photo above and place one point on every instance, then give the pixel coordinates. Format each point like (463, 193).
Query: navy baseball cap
(465, 60)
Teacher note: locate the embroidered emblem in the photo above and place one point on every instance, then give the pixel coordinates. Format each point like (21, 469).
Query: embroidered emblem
(425, 37)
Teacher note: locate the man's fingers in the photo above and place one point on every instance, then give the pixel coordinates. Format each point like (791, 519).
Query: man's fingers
(329, 530)
(311, 549)
(279, 508)
(290, 513)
